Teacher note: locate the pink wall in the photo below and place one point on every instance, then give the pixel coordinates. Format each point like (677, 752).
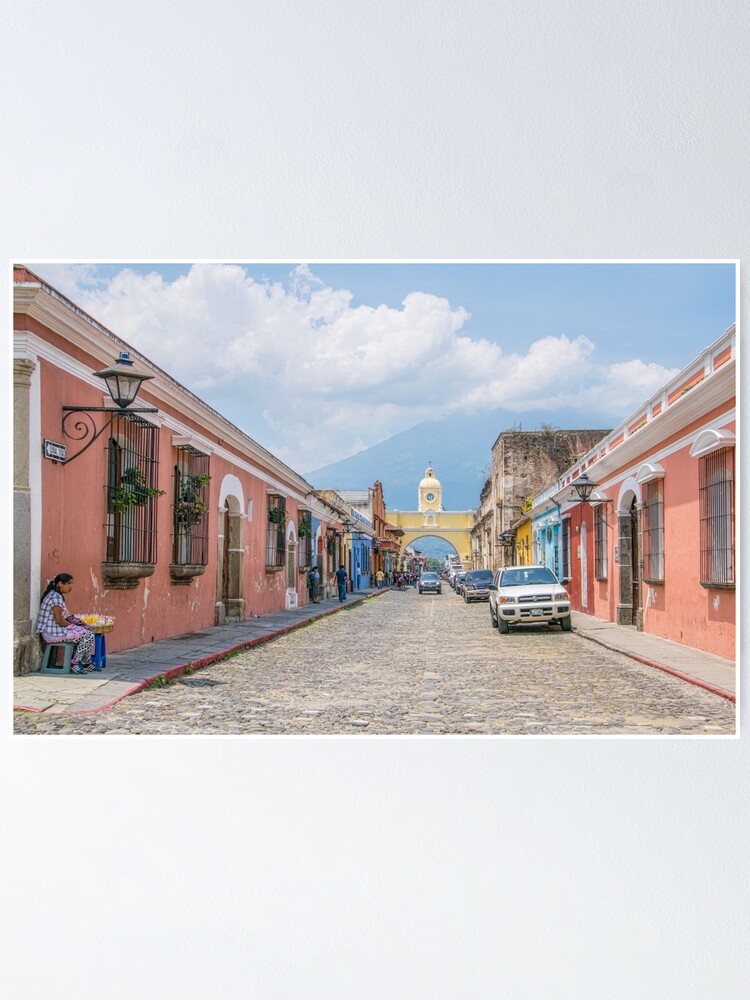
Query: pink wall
(73, 536)
(680, 608)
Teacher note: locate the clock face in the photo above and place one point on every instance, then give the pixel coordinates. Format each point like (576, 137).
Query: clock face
(429, 496)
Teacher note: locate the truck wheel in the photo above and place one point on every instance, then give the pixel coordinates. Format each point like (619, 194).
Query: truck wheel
(502, 626)
(566, 624)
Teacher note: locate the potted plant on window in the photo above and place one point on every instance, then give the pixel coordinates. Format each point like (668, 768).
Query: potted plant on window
(132, 491)
(277, 515)
(190, 505)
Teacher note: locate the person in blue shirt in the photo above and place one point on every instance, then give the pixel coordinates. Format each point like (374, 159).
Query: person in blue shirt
(341, 577)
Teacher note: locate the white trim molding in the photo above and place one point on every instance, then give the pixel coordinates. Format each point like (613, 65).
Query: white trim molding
(712, 440)
(648, 472)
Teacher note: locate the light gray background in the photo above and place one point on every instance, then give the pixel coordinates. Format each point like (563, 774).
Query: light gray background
(369, 868)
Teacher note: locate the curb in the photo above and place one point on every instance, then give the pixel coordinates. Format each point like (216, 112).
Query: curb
(206, 661)
(661, 666)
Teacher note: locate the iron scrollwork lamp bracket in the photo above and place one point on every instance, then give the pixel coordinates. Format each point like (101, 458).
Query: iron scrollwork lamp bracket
(84, 427)
(123, 382)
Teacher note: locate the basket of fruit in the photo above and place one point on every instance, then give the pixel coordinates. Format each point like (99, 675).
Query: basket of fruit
(98, 623)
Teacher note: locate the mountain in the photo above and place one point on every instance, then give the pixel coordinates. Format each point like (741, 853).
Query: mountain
(458, 448)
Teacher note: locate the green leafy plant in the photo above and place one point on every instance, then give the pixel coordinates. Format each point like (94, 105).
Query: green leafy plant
(132, 491)
(190, 505)
(277, 515)
(304, 529)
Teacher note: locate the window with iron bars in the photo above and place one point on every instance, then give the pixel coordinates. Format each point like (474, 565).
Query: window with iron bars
(600, 544)
(305, 540)
(276, 534)
(716, 494)
(190, 508)
(653, 531)
(132, 490)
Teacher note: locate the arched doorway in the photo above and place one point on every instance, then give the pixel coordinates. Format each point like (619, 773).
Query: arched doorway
(291, 599)
(230, 604)
(628, 521)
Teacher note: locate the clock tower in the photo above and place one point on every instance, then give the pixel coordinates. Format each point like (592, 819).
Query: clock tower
(429, 496)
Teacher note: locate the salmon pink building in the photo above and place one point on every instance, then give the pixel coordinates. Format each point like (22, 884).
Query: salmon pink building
(655, 544)
(168, 516)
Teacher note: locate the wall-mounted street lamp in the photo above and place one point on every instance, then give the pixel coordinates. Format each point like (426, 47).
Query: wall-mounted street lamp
(123, 381)
(584, 488)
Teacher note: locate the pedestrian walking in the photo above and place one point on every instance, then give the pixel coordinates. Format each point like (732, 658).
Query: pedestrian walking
(341, 577)
(313, 585)
(379, 577)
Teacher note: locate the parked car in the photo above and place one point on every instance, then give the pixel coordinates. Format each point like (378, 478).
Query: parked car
(429, 583)
(476, 585)
(522, 595)
(458, 583)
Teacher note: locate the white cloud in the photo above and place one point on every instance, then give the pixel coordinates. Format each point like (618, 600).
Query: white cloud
(315, 379)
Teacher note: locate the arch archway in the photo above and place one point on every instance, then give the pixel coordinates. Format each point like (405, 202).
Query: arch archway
(459, 541)
(433, 545)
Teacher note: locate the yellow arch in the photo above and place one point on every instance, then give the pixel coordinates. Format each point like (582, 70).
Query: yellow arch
(451, 526)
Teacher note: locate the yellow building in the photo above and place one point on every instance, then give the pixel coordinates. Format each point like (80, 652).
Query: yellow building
(430, 520)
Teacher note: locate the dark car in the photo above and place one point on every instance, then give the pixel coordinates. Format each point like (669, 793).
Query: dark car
(476, 585)
(528, 595)
(429, 583)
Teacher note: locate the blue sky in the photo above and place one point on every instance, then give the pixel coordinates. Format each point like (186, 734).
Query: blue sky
(318, 361)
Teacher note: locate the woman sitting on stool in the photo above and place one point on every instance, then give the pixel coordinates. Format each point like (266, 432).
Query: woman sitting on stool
(56, 625)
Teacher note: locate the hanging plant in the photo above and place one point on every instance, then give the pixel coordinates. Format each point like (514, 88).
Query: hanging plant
(191, 506)
(132, 492)
(304, 529)
(276, 515)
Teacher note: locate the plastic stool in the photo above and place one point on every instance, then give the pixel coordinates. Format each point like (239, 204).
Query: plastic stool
(49, 660)
(99, 659)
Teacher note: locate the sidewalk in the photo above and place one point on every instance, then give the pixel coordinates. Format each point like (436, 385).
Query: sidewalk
(703, 669)
(133, 670)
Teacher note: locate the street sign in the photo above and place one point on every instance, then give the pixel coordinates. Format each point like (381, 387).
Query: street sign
(52, 449)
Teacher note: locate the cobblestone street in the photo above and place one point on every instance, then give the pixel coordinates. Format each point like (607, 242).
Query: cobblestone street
(410, 664)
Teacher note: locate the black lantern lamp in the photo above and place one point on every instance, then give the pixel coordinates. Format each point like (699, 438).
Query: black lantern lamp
(584, 488)
(123, 380)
